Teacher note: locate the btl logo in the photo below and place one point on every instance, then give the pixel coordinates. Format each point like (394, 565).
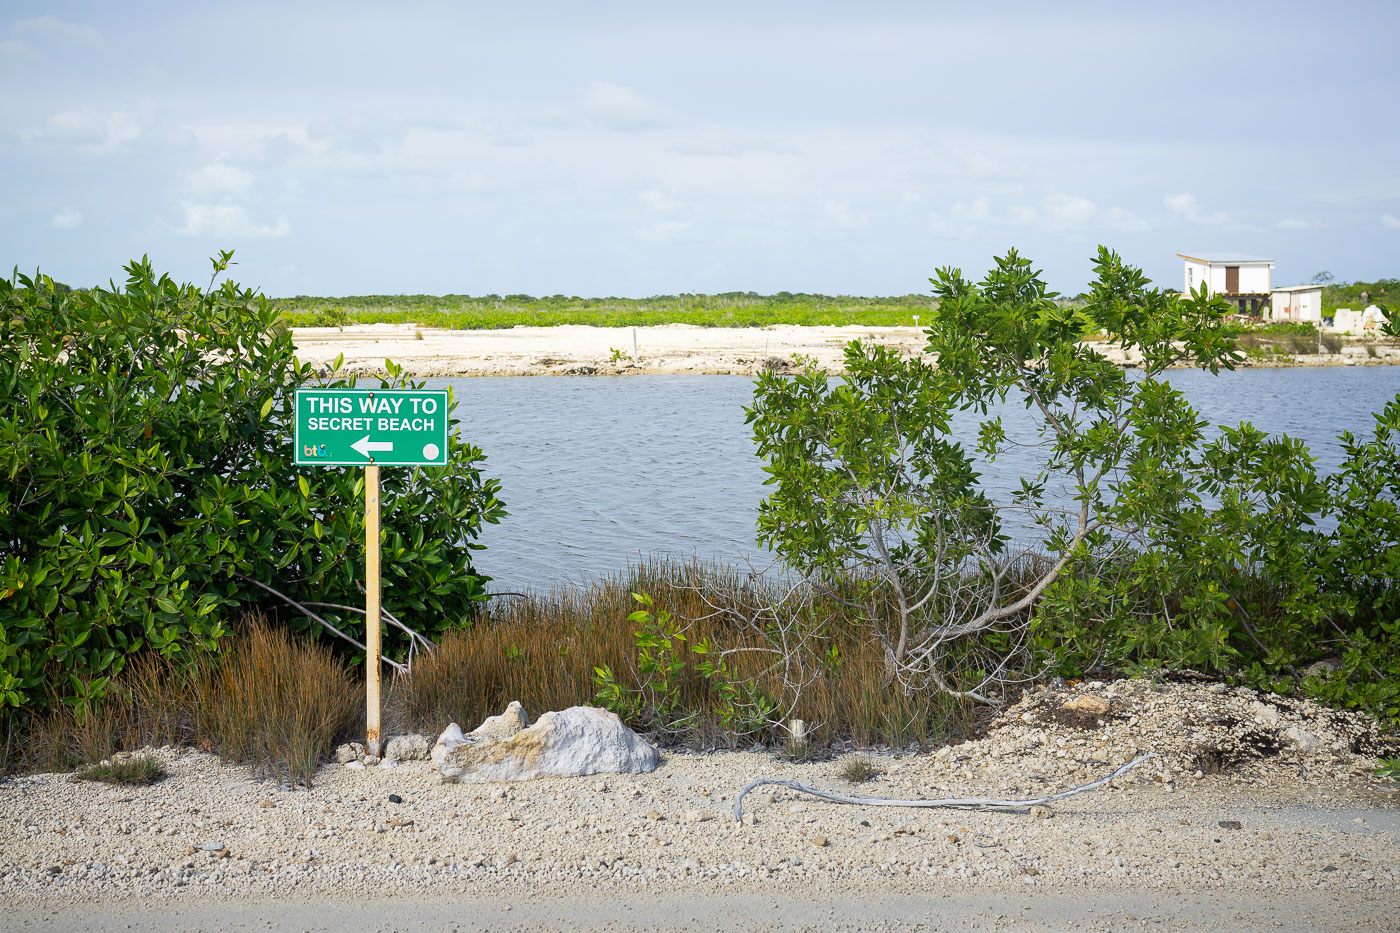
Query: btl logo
(314, 450)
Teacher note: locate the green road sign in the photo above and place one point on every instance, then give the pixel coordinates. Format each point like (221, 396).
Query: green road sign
(355, 427)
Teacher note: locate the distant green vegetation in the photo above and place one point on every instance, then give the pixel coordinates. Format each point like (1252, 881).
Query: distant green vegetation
(1384, 293)
(730, 309)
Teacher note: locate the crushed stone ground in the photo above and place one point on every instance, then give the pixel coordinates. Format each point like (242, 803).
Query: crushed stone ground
(1251, 796)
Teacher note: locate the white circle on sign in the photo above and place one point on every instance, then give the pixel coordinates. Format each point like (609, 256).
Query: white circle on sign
(430, 451)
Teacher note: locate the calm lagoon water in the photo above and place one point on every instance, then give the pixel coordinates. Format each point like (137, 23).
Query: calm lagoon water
(598, 473)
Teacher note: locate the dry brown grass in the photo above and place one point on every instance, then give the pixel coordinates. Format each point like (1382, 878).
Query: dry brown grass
(543, 651)
(267, 698)
(281, 703)
(277, 702)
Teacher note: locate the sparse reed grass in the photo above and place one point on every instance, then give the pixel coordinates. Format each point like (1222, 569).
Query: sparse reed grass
(858, 769)
(543, 651)
(281, 703)
(267, 698)
(140, 769)
(276, 702)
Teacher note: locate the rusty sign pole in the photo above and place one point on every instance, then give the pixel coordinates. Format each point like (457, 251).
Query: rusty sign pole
(372, 609)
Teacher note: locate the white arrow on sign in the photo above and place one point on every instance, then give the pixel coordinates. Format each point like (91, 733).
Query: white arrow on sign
(365, 446)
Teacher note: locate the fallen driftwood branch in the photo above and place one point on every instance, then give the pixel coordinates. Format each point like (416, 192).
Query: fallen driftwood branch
(313, 616)
(955, 803)
(413, 636)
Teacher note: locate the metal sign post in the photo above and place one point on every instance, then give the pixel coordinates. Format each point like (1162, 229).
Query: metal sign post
(371, 428)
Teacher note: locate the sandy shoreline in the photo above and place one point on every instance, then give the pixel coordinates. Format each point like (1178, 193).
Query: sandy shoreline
(672, 349)
(586, 351)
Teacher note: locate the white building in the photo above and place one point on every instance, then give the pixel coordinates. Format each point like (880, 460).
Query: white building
(1297, 303)
(1236, 277)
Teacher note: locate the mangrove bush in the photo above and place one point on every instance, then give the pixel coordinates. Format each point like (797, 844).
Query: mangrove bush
(148, 490)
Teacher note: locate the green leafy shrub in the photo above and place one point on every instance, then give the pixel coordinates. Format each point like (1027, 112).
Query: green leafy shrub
(1237, 576)
(659, 668)
(1168, 550)
(1362, 559)
(872, 493)
(332, 317)
(147, 488)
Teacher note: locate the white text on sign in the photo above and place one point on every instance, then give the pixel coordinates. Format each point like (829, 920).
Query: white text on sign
(333, 423)
(383, 405)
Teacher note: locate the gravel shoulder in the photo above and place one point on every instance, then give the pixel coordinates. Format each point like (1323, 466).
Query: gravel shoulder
(786, 908)
(1289, 832)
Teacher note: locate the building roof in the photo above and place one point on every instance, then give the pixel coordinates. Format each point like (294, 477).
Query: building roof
(1216, 258)
(1298, 288)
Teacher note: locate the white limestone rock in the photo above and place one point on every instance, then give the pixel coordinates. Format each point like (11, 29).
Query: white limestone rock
(410, 747)
(493, 727)
(351, 751)
(505, 725)
(576, 741)
(451, 737)
(1267, 716)
(1301, 739)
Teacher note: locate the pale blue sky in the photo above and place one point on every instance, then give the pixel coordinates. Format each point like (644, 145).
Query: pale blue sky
(637, 149)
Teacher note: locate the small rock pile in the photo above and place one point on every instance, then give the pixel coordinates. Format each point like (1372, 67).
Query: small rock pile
(1064, 732)
(570, 743)
(397, 750)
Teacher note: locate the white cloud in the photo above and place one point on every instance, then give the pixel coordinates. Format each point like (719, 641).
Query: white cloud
(962, 220)
(1125, 220)
(257, 141)
(1185, 205)
(12, 50)
(226, 220)
(1060, 211)
(661, 201)
(716, 142)
(220, 178)
(88, 129)
(664, 230)
(513, 139)
(1292, 223)
(840, 212)
(56, 30)
(467, 182)
(1070, 210)
(66, 219)
(1391, 221)
(618, 108)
